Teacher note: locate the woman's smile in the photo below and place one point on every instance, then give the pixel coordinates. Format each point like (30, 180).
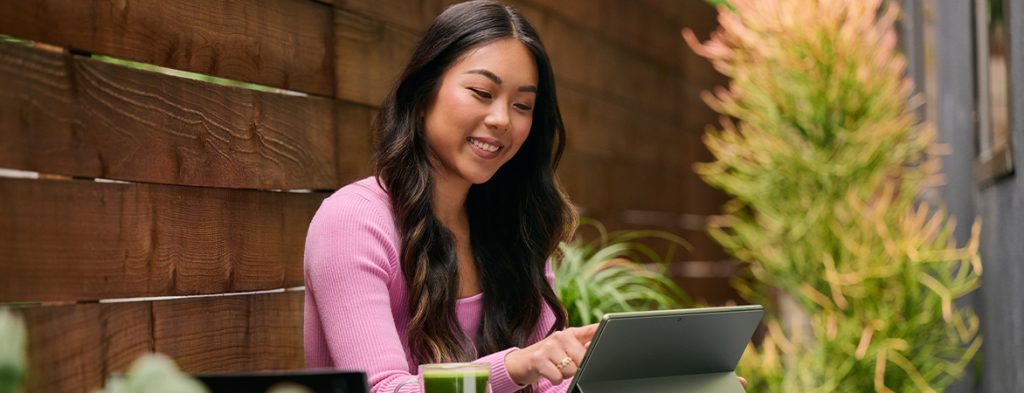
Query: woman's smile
(486, 148)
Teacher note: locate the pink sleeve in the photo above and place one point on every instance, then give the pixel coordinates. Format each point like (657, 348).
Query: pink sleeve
(348, 257)
(347, 273)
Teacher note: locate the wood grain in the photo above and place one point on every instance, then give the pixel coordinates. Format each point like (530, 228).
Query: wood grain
(235, 333)
(73, 348)
(414, 16)
(82, 240)
(280, 43)
(589, 61)
(76, 116)
(643, 30)
(370, 55)
(354, 140)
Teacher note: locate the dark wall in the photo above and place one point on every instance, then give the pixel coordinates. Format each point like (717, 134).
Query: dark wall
(1000, 206)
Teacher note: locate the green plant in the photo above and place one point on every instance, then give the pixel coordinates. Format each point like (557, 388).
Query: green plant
(613, 273)
(153, 373)
(826, 166)
(13, 345)
(157, 373)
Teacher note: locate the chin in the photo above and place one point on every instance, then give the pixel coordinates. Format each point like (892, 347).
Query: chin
(480, 177)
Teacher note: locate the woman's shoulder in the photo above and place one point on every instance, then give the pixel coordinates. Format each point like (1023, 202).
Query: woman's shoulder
(353, 229)
(362, 203)
(362, 195)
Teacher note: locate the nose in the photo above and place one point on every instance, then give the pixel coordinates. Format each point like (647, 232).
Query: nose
(498, 117)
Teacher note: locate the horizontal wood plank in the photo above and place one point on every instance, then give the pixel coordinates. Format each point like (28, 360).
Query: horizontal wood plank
(585, 59)
(284, 44)
(234, 333)
(644, 30)
(370, 55)
(82, 240)
(414, 15)
(73, 348)
(80, 117)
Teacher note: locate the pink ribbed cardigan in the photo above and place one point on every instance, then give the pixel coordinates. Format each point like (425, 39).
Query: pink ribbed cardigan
(356, 312)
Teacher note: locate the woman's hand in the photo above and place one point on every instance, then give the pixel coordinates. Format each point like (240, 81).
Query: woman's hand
(555, 358)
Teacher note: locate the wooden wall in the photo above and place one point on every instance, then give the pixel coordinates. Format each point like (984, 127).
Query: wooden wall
(142, 184)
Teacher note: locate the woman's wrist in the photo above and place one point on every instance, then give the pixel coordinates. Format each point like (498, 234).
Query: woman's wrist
(515, 367)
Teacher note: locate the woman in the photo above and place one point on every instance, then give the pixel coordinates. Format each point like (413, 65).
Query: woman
(443, 256)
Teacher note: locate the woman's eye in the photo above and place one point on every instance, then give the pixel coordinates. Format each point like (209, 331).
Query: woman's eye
(481, 93)
(523, 107)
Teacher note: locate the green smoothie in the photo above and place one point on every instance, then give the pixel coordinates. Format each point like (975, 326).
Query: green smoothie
(455, 381)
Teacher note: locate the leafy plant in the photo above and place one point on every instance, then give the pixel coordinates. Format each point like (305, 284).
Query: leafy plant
(827, 170)
(613, 273)
(157, 373)
(154, 373)
(13, 345)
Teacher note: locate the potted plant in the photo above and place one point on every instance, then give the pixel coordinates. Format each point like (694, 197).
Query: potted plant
(615, 272)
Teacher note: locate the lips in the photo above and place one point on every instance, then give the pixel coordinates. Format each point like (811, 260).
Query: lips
(485, 147)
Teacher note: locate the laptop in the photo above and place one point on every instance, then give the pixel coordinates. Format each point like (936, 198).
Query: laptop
(316, 381)
(671, 351)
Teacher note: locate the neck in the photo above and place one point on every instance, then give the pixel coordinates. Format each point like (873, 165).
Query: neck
(449, 202)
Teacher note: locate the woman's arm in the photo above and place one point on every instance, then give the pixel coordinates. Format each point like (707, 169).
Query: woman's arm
(350, 261)
(347, 271)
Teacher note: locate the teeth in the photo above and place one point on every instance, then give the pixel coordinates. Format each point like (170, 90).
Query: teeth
(485, 146)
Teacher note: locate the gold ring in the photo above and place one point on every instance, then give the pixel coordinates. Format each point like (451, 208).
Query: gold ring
(564, 362)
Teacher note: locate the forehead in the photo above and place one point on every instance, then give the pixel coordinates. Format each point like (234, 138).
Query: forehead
(507, 58)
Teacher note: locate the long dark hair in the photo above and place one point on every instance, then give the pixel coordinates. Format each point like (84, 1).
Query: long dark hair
(516, 218)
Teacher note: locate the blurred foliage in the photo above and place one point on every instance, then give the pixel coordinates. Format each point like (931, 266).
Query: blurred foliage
(725, 3)
(153, 373)
(157, 373)
(190, 75)
(13, 347)
(826, 166)
(14, 40)
(615, 272)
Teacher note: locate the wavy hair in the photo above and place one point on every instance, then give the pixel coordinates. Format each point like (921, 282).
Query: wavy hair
(516, 218)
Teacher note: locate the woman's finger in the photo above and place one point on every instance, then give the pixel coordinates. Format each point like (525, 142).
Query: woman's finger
(569, 370)
(571, 346)
(585, 333)
(550, 371)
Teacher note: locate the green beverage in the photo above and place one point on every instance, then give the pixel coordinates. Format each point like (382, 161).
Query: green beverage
(452, 378)
(455, 381)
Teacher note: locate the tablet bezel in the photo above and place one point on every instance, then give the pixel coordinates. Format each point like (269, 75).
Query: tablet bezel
(741, 323)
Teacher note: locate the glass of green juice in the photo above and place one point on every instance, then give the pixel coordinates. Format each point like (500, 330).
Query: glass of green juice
(452, 378)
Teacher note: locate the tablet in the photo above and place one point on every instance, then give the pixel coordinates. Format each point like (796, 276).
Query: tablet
(317, 381)
(687, 350)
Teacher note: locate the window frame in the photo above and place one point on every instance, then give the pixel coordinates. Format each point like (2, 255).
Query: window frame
(991, 164)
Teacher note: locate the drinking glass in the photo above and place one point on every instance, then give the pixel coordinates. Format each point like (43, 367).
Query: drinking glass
(452, 378)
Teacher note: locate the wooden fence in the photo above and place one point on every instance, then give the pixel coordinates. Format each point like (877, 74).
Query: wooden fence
(153, 185)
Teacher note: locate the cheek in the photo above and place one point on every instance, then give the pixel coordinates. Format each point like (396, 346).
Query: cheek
(521, 131)
(446, 118)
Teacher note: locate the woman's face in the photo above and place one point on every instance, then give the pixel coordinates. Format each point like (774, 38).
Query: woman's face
(483, 111)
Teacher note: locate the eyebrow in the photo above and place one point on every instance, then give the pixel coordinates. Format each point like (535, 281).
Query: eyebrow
(497, 80)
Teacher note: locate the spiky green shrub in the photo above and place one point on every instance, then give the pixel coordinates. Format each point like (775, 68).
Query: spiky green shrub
(826, 165)
(615, 272)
